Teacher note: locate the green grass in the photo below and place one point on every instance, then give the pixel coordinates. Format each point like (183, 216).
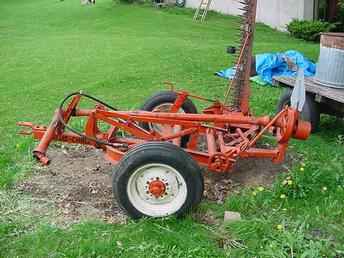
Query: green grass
(122, 54)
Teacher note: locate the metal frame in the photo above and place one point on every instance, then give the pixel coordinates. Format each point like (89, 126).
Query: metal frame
(228, 134)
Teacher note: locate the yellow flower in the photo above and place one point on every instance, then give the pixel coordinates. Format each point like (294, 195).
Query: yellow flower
(324, 188)
(260, 189)
(290, 182)
(285, 182)
(17, 145)
(279, 227)
(254, 193)
(283, 196)
(284, 209)
(302, 169)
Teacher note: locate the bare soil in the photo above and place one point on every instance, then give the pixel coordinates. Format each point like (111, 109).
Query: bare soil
(78, 184)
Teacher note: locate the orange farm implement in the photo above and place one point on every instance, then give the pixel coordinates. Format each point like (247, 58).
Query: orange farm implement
(159, 149)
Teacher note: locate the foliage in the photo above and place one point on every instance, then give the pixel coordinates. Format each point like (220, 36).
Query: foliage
(122, 54)
(147, 238)
(311, 179)
(309, 30)
(289, 219)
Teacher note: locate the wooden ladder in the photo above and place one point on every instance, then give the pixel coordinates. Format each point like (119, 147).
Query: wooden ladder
(202, 10)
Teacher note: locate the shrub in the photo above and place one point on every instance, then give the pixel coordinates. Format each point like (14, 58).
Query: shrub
(309, 30)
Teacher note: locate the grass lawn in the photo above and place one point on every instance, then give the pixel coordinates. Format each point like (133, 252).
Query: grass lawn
(122, 54)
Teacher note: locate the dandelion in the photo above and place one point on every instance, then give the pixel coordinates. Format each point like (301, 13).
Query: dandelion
(302, 169)
(324, 189)
(254, 193)
(279, 227)
(290, 182)
(283, 196)
(17, 145)
(260, 189)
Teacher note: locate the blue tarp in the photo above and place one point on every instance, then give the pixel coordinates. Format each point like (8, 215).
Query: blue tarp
(275, 64)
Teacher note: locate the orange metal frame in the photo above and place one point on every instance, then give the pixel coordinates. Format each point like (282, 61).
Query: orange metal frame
(228, 135)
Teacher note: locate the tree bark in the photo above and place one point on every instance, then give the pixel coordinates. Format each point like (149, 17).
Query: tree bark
(332, 10)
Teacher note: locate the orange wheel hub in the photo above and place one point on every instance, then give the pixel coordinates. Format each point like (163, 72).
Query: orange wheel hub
(157, 188)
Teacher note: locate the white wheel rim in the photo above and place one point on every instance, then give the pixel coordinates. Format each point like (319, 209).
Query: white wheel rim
(168, 203)
(165, 108)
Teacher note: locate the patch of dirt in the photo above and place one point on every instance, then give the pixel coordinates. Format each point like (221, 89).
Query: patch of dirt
(246, 173)
(78, 184)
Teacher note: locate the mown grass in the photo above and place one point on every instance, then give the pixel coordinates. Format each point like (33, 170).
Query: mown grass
(122, 54)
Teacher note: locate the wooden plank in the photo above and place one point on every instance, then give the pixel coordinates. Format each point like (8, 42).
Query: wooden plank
(313, 87)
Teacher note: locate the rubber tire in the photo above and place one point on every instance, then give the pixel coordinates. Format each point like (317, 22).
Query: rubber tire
(168, 97)
(180, 3)
(310, 112)
(158, 152)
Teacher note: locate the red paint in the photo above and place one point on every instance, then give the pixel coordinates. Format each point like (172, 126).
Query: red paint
(157, 188)
(229, 134)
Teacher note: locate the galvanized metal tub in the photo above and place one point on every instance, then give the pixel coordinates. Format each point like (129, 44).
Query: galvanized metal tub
(330, 68)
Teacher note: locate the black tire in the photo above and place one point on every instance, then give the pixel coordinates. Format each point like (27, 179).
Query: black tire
(165, 154)
(310, 112)
(180, 3)
(168, 97)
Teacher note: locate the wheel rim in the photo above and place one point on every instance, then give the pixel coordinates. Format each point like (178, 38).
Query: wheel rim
(165, 108)
(157, 190)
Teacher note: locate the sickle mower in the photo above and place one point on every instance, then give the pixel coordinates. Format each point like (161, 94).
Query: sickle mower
(157, 148)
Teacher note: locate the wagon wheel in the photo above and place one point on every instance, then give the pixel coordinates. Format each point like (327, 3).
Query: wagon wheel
(163, 102)
(165, 108)
(157, 180)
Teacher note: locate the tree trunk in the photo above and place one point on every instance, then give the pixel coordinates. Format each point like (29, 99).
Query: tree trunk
(332, 10)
